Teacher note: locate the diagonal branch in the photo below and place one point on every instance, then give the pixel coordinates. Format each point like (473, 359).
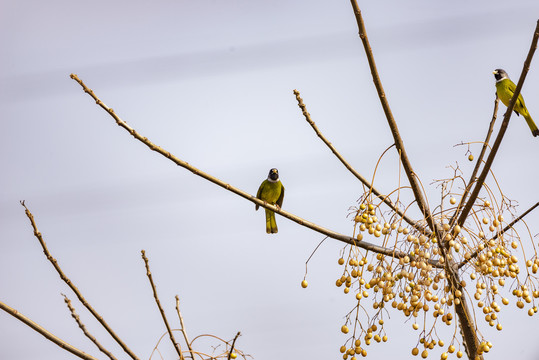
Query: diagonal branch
(508, 227)
(169, 330)
(385, 199)
(92, 338)
(391, 121)
(184, 332)
(232, 346)
(477, 164)
(50, 336)
(501, 133)
(64, 277)
(330, 233)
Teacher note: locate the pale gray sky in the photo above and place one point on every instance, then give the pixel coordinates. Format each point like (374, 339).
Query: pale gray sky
(212, 81)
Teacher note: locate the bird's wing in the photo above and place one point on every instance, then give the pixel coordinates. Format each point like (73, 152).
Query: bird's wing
(511, 87)
(281, 197)
(259, 192)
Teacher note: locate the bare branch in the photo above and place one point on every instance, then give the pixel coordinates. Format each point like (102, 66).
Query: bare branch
(384, 198)
(170, 334)
(64, 277)
(232, 346)
(332, 234)
(477, 164)
(184, 332)
(75, 316)
(61, 343)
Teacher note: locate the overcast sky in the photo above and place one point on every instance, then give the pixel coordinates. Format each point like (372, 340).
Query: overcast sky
(212, 82)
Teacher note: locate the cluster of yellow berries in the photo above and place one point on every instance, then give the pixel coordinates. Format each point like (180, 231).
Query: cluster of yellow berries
(356, 348)
(366, 217)
(416, 283)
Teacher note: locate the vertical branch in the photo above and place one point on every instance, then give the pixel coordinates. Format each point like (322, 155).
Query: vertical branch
(50, 336)
(391, 121)
(149, 274)
(184, 332)
(64, 277)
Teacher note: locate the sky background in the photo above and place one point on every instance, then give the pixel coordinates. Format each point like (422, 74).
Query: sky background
(212, 82)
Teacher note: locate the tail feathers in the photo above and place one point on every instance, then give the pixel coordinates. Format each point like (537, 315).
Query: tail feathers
(271, 224)
(531, 124)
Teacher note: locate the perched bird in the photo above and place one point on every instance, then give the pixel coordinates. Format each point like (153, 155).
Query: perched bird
(271, 191)
(505, 89)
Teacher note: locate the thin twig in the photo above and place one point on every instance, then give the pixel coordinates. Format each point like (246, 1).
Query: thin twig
(332, 234)
(233, 343)
(184, 332)
(64, 277)
(92, 338)
(501, 133)
(61, 343)
(477, 164)
(346, 164)
(508, 227)
(170, 334)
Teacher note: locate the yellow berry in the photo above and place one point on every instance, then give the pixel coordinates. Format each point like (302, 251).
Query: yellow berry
(452, 201)
(304, 284)
(415, 351)
(470, 157)
(344, 329)
(341, 261)
(233, 355)
(424, 354)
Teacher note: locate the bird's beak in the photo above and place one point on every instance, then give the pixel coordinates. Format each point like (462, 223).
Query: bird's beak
(494, 72)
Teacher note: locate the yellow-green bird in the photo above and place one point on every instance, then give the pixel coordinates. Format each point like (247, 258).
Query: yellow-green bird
(271, 191)
(505, 89)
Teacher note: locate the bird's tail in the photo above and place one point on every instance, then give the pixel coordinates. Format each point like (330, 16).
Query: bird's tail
(271, 224)
(531, 124)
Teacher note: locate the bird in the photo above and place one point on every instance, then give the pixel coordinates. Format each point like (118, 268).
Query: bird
(271, 191)
(505, 88)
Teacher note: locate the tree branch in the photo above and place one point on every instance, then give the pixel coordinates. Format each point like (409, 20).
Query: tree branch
(477, 165)
(64, 277)
(61, 343)
(184, 332)
(365, 182)
(232, 346)
(391, 121)
(170, 334)
(92, 338)
(332, 234)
